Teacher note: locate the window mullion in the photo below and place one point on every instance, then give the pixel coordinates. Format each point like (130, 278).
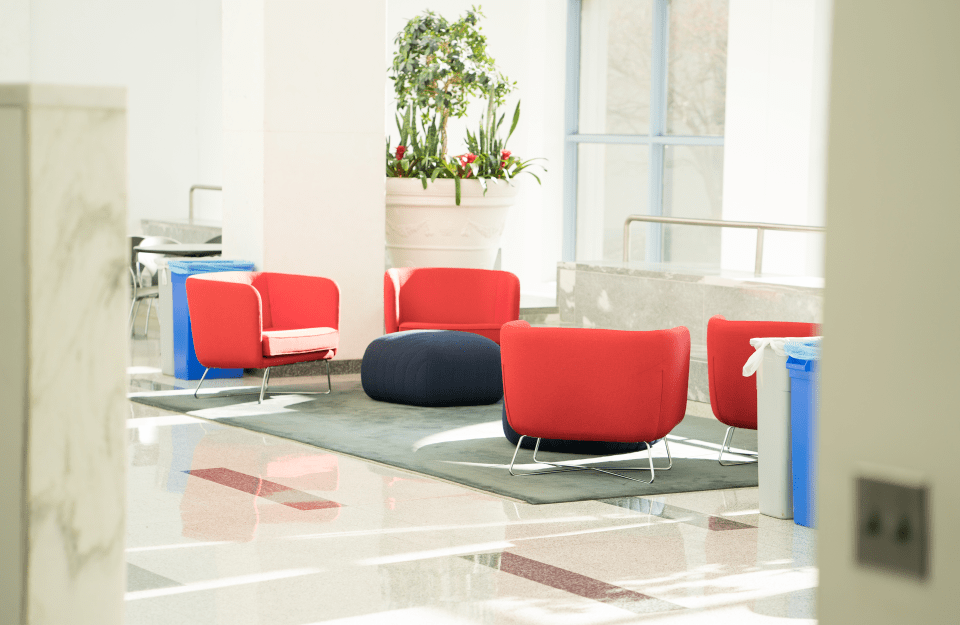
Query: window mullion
(658, 125)
(571, 127)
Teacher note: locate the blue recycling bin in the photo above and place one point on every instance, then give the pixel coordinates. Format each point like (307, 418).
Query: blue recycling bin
(804, 406)
(185, 363)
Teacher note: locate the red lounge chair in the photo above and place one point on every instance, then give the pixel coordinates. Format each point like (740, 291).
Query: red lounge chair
(443, 298)
(732, 396)
(260, 320)
(635, 390)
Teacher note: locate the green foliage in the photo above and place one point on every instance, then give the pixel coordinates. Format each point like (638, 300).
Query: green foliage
(437, 68)
(440, 65)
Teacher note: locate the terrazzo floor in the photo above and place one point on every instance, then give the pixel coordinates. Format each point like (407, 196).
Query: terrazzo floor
(262, 530)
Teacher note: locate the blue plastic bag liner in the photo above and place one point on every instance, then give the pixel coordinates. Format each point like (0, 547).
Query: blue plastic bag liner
(185, 363)
(208, 265)
(760, 344)
(803, 349)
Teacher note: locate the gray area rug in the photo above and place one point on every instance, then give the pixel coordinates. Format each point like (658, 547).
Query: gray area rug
(464, 445)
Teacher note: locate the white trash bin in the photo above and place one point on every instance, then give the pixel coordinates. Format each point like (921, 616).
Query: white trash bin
(775, 469)
(165, 314)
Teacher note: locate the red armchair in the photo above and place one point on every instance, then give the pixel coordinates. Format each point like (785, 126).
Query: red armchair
(262, 320)
(636, 390)
(732, 396)
(445, 298)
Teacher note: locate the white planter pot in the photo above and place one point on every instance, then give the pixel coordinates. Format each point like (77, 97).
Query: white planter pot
(425, 227)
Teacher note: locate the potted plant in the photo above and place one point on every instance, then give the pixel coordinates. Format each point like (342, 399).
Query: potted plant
(446, 210)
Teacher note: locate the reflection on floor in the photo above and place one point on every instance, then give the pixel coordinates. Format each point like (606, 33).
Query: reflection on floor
(234, 527)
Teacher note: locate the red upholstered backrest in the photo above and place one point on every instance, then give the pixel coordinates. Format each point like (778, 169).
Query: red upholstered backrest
(732, 396)
(587, 384)
(293, 301)
(230, 310)
(225, 318)
(449, 295)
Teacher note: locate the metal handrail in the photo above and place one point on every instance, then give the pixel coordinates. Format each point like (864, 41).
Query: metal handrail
(716, 223)
(202, 187)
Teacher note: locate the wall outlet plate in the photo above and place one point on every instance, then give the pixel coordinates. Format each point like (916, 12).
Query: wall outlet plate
(893, 527)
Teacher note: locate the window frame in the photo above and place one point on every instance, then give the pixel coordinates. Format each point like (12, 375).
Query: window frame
(657, 138)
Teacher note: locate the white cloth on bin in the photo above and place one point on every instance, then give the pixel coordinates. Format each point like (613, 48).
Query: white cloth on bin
(775, 343)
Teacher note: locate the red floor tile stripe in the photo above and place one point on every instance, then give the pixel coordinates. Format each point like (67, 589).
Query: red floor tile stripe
(574, 583)
(263, 488)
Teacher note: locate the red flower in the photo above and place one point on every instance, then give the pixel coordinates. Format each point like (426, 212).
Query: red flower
(400, 151)
(504, 155)
(466, 159)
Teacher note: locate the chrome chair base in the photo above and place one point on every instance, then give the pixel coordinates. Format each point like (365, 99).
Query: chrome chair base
(729, 435)
(263, 387)
(560, 467)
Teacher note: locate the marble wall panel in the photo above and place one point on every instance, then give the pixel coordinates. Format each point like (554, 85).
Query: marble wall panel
(698, 389)
(566, 284)
(13, 320)
(623, 302)
(753, 302)
(75, 333)
(652, 297)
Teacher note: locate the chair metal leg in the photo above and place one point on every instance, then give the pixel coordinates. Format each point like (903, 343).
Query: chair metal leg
(264, 387)
(146, 323)
(729, 435)
(561, 468)
(205, 372)
(133, 303)
(134, 309)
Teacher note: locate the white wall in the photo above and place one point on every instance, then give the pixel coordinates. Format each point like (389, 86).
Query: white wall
(890, 368)
(775, 123)
(167, 55)
(528, 40)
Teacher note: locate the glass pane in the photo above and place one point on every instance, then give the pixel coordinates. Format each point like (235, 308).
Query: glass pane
(611, 184)
(692, 187)
(615, 45)
(697, 67)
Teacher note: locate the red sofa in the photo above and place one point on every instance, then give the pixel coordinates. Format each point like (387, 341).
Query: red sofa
(732, 396)
(444, 298)
(259, 320)
(634, 390)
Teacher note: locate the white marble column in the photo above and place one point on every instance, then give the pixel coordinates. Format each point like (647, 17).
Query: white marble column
(63, 258)
(303, 180)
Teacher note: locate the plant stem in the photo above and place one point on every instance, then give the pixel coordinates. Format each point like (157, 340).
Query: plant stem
(490, 119)
(443, 131)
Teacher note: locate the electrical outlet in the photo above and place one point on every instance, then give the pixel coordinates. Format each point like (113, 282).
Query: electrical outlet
(892, 527)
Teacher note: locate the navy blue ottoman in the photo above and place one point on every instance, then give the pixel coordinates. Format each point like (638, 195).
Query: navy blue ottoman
(433, 368)
(594, 448)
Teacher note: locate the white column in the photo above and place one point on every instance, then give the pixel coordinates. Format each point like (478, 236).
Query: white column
(64, 259)
(892, 301)
(304, 147)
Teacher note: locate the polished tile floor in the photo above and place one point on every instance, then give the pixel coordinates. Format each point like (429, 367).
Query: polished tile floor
(227, 526)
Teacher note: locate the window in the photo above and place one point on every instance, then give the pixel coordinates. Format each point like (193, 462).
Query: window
(645, 122)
